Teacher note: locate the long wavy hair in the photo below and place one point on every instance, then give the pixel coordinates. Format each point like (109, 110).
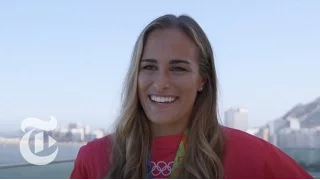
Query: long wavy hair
(130, 141)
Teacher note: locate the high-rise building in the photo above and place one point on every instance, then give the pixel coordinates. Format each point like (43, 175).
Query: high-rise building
(87, 129)
(75, 125)
(299, 138)
(237, 118)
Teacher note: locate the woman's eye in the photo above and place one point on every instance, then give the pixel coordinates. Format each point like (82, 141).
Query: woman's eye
(178, 69)
(150, 67)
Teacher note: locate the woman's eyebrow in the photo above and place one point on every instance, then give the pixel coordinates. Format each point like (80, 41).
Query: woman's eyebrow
(174, 61)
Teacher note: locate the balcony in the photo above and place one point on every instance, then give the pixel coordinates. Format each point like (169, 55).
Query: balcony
(55, 170)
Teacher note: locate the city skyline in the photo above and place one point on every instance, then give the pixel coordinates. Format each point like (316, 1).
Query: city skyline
(69, 60)
(237, 118)
(223, 120)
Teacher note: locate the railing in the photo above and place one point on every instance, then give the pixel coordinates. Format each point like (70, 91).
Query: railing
(316, 175)
(54, 170)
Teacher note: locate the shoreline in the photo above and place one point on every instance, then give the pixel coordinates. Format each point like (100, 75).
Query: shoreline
(16, 141)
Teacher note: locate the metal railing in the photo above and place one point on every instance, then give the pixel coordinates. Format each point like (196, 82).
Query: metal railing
(16, 165)
(55, 170)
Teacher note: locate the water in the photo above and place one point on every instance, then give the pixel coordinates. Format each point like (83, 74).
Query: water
(315, 175)
(51, 171)
(10, 153)
(308, 158)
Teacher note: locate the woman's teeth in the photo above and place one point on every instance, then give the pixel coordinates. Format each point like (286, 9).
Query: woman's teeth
(161, 99)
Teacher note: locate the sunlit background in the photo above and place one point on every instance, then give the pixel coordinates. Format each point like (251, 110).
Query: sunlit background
(68, 59)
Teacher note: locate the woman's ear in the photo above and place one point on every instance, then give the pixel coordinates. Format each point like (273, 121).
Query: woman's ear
(202, 83)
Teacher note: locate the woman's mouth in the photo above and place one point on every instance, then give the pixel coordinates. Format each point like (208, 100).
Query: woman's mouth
(162, 99)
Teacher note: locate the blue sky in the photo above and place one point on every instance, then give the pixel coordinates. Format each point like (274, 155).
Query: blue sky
(68, 58)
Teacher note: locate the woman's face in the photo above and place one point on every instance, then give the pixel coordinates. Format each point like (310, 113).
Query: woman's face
(169, 77)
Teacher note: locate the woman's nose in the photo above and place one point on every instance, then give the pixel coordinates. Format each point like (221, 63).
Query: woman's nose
(162, 81)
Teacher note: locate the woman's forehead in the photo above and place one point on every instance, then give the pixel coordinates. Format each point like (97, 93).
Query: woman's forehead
(169, 44)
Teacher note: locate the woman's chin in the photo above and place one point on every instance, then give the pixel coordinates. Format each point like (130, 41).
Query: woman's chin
(161, 121)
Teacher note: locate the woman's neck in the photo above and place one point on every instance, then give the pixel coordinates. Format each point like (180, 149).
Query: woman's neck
(167, 129)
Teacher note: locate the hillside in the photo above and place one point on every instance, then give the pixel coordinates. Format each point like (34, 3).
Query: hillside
(308, 114)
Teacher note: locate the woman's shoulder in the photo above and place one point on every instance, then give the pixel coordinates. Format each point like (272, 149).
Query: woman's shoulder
(238, 138)
(92, 160)
(248, 156)
(231, 132)
(97, 145)
(243, 149)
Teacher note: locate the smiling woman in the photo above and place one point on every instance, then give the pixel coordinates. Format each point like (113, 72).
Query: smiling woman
(168, 126)
(169, 80)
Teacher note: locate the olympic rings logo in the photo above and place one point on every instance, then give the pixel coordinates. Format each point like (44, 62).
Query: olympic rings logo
(161, 168)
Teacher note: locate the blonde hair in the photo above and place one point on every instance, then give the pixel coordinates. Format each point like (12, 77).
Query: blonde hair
(132, 135)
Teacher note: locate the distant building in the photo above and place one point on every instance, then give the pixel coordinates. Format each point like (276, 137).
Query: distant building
(294, 123)
(253, 131)
(237, 118)
(299, 138)
(74, 125)
(87, 130)
(77, 135)
(98, 134)
(263, 133)
(274, 127)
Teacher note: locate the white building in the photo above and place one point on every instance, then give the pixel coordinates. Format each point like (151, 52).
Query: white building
(299, 138)
(75, 125)
(87, 130)
(294, 123)
(237, 118)
(253, 131)
(77, 134)
(98, 134)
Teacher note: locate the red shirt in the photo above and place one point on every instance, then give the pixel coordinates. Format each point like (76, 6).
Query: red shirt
(245, 157)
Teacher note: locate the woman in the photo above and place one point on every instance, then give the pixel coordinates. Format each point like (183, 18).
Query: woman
(168, 127)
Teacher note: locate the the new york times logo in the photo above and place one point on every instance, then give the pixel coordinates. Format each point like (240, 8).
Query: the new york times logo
(34, 125)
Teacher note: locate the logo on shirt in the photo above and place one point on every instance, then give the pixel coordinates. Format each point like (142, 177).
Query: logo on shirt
(161, 168)
(33, 124)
